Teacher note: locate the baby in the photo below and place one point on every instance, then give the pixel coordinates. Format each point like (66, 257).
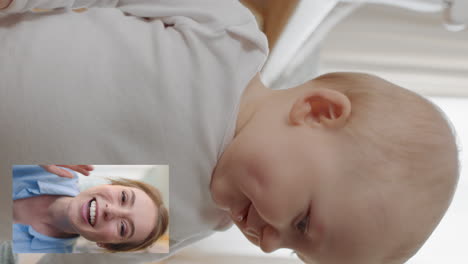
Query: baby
(346, 168)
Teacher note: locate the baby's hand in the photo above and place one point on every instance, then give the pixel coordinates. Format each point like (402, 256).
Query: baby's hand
(4, 3)
(83, 169)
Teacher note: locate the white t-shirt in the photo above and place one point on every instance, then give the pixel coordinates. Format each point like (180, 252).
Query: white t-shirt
(107, 86)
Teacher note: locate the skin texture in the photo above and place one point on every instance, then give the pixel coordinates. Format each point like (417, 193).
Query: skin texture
(295, 187)
(5, 3)
(63, 217)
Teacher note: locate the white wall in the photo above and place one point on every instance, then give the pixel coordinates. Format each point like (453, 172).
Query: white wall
(409, 48)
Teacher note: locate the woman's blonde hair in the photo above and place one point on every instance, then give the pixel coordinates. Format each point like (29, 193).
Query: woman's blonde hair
(162, 220)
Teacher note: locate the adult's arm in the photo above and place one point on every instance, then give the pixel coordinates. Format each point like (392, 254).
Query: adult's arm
(215, 14)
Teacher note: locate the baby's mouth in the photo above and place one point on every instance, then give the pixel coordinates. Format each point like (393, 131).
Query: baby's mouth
(252, 232)
(92, 212)
(241, 216)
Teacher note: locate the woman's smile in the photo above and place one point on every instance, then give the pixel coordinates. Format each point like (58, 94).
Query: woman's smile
(90, 212)
(93, 212)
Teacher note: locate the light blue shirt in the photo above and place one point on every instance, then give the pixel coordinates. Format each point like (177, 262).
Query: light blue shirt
(30, 181)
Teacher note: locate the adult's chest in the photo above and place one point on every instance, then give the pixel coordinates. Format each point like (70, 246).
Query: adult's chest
(32, 210)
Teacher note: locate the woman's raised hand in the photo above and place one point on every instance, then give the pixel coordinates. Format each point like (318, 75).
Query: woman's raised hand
(83, 169)
(4, 4)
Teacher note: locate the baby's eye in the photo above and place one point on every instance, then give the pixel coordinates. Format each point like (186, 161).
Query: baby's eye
(124, 197)
(122, 229)
(303, 225)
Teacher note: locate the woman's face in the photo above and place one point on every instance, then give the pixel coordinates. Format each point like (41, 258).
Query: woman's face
(123, 214)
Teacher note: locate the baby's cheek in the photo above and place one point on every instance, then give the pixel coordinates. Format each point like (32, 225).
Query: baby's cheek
(220, 193)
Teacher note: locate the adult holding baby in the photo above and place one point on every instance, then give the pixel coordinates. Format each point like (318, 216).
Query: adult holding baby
(50, 212)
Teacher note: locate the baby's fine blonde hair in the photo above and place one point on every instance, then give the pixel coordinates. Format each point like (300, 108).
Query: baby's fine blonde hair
(392, 129)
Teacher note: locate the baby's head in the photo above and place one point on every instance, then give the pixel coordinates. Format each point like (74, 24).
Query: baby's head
(346, 168)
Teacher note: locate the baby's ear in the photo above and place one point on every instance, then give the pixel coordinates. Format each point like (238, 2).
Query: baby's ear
(321, 107)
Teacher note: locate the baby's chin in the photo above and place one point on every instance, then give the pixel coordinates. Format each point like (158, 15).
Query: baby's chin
(252, 239)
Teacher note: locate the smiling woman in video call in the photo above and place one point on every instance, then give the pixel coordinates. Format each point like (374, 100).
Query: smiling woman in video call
(50, 212)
